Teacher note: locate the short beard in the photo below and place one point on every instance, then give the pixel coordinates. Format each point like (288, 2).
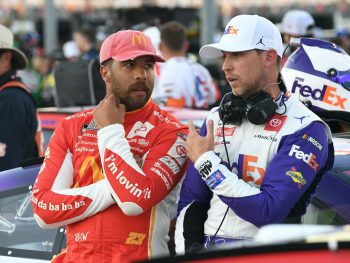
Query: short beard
(254, 87)
(130, 105)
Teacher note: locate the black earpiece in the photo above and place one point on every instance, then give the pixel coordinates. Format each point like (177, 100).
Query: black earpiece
(257, 109)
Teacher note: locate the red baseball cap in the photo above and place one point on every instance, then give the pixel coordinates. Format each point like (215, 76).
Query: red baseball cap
(127, 44)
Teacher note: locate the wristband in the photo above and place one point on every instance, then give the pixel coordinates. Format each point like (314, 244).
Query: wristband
(206, 162)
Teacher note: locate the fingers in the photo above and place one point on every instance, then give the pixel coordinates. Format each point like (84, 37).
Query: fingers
(210, 129)
(113, 100)
(191, 127)
(122, 107)
(138, 160)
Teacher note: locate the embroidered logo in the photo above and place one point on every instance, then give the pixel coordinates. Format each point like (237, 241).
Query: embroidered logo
(276, 123)
(309, 159)
(301, 118)
(205, 168)
(313, 141)
(135, 238)
(261, 41)
(297, 177)
(140, 39)
(230, 30)
(215, 179)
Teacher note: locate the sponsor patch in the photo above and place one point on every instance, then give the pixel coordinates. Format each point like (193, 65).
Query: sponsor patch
(276, 123)
(181, 151)
(89, 127)
(301, 118)
(81, 237)
(265, 137)
(178, 151)
(135, 238)
(215, 179)
(143, 142)
(78, 115)
(252, 172)
(140, 129)
(170, 163)
(166, 119)
(84, 149)
(297, 177)
(313, 141)
(221, 143)
(182, 135)
(161, 167)
(228, 131)
(309, 159)
(231, 30)
(205, 168)
(162, 176)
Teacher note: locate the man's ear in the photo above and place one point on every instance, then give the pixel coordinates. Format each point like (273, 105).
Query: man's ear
(270, 58)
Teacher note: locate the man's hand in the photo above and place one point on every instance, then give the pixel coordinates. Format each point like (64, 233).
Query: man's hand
(196, 145)
(138, 160)
(109, 111)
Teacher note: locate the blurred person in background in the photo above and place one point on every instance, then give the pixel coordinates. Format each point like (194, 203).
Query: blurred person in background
(259, 156)
(182, 82)
(29, 43)
(85, 39)
(342, 39)
(111, 173)
(296, 23)
(71, 51)
(20, 137)
(154, 34)
(43, 64)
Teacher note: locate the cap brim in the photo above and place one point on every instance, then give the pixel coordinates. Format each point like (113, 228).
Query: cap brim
(215, 50)
(136, 54)
(20, 59)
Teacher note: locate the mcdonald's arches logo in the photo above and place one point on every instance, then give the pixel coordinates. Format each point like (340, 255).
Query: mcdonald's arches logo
(139, 39)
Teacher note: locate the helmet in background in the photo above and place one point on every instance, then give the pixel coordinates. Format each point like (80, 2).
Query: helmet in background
(318, 72)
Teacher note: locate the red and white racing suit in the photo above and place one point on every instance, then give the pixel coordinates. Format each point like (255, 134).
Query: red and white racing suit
(114, 210)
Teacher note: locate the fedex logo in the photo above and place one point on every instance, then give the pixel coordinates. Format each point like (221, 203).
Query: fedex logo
(327, 94)
(251, 172)
(309, 159)
(231, 30)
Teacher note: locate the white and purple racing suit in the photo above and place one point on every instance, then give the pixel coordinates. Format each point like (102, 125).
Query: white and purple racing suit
(272, 172)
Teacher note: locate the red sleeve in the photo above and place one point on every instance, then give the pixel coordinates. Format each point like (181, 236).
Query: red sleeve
(137, 189)
(55, 201)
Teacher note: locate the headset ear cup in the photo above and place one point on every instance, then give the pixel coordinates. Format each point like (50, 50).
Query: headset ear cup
(260, 108)
(224, 105)
(261, 112)
(231, 109)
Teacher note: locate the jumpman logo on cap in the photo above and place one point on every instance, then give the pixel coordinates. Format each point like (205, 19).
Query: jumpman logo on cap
(261, 41)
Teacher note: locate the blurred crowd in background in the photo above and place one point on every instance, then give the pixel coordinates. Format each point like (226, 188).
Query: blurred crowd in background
(80, 36)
